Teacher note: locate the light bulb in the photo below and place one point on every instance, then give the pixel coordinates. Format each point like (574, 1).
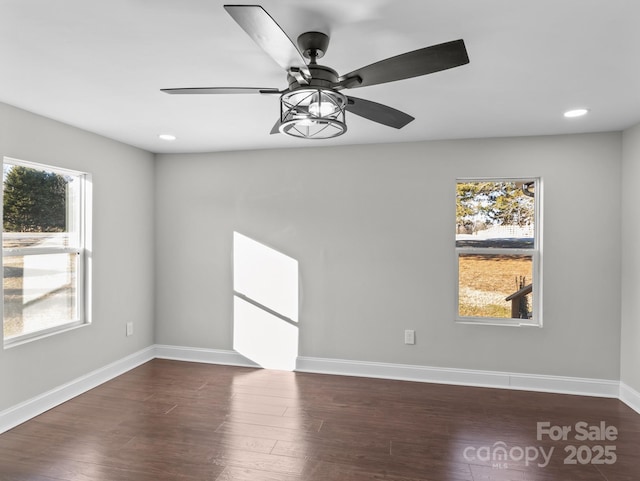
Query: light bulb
(321, 109)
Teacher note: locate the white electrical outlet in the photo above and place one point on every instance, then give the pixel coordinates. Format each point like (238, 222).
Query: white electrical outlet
(129, 329)
(409, 336)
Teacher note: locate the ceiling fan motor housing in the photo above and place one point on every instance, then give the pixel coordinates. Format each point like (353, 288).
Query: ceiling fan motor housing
(321, 76)
(313, 44)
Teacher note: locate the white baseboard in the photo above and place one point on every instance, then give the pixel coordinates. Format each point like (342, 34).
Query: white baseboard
(207, 356)
(26, 410)
(465, 377)
(565, 385)
(15, 415)
(630, 397)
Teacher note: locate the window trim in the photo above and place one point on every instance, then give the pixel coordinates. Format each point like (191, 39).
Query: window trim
(535, 252)
(83, 251)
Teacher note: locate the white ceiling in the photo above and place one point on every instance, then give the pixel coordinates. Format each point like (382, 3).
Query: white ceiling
(100, 65)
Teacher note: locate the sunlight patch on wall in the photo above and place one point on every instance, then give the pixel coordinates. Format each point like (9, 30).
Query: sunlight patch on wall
(265, 284)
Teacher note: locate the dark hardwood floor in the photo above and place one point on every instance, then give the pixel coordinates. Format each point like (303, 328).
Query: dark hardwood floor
(169, 420)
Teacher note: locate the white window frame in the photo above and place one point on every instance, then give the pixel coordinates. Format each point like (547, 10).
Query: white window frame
(82, 249)
(535, 253)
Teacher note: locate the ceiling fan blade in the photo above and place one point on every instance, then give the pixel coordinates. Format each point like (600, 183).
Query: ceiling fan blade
(264, 31)
(408, 65)
(382, 114)
(221, 90)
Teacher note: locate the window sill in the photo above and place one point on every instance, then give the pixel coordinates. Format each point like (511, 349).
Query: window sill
(498, 322)
(28, 338)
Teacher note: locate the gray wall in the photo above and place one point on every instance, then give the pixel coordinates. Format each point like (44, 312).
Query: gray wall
(372, 228)
(630, 333)
(123, 212)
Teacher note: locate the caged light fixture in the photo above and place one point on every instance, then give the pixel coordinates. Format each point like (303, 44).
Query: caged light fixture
(313, 113)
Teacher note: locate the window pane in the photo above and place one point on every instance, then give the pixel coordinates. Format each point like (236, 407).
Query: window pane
(14, 240)
(497, 286)
(40, 292)
(495, 214)
(37, 208)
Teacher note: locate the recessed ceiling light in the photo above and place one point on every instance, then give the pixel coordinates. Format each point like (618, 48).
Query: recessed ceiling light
(576, 113)
(167, 137)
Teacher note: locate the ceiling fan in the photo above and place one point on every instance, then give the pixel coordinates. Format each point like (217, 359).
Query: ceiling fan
(313, 105)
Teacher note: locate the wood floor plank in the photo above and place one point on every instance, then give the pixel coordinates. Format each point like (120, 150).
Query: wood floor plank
(268, 432)
(312, 425)
(81, 471)
(260, 461)
(170, 420)
(335, 451)
(235, 473)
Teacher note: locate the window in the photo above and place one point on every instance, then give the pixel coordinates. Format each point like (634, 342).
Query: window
(44, 250)
(498, 251)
